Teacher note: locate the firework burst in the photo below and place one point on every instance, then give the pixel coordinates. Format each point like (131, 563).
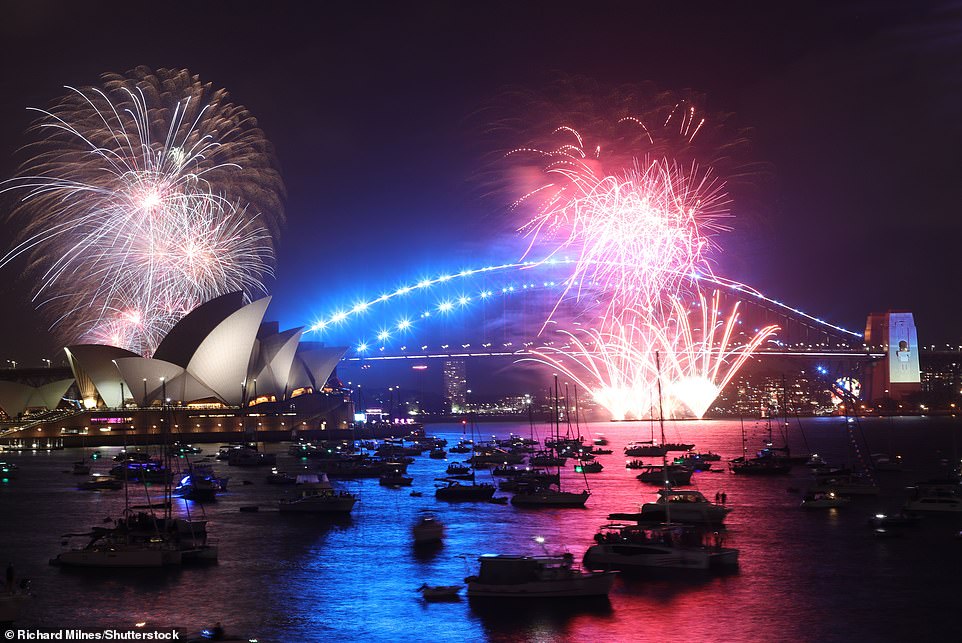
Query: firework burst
(144, 198)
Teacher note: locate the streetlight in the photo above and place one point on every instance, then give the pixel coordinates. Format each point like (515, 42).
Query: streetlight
(45, 360)
(145, 392)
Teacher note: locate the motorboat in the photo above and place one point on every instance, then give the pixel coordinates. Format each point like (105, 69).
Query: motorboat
(456, 491)
(709, 456)
(458, 469)
(438, 454)
(246, 456)
(693, 461)
(548, 497)
(677, 446)
(439, 593)
(851, 485)
(675, 475)
(395, 479)
(638, 449)
(546, 459)
(684, 506)
(8, 470)
(112, 548)
(507, 576)
(823, 500)
(142, 471)
(197, 487)
(589, 467)
(428, 529)
(934, 500)
(901, 519)
(279, 477)
(98, 482)
(600, 441)
(636, 547)
(316, 495)
(759, 466)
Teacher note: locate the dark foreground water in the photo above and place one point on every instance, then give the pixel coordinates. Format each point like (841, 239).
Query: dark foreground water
(804, 575)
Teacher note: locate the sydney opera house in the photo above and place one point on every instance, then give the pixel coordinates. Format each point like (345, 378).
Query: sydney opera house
(221, 369)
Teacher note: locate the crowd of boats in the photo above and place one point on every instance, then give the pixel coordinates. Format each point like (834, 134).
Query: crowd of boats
(680, 530)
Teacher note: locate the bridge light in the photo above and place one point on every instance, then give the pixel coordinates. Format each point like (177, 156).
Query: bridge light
(445, 306)
(383, 335)
(463, 300)
(404, 324)
(361, 347)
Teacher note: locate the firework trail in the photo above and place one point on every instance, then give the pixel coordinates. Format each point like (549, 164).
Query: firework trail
(144, 198)
(700, 360)
(700, 355)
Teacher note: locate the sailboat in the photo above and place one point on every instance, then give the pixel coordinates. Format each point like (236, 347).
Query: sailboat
(666, 546)
(545, 495)
(455, 489)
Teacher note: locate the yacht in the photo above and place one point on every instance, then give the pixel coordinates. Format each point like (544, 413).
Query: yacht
(684, 506)
(115, 549)
(505, 576)
(934, 499)
(673, 474)
(638, 449)
(547, 497)
(316, 495)
(197, 487)
(637, 547)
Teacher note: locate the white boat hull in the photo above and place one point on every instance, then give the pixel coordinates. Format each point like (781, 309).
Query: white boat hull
(550, 499)
(597, 584)
(133, 557)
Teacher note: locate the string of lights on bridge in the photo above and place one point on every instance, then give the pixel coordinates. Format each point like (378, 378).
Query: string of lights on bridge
(405, 324)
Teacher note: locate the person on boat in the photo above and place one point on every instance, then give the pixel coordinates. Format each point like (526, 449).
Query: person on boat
(717, 497)
(724, 497)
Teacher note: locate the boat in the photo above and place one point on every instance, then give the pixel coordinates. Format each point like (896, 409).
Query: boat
(600, 441)
(548, 495)
(850, 485)
(438, 454)
(693, 461)
(316, 495)
(602, 451)
(673, 474)
(440, 592)
(279, 477)
(638, 449)
(456, 491)
(508, 576)
(685, 506)
(636, 547)
(677, 446)
(122, 548)
(197, 487)
(709, 456)
(901, 519)
(428, 529)
(458, 469)
(8, 470)
(395, 480)
(589, 467)
(823, 500)
(247, 456)
(933, 499)
(98, 482)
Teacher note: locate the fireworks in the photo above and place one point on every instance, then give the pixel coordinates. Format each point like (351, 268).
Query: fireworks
(639, 232)
(699, 355)
(145, 197)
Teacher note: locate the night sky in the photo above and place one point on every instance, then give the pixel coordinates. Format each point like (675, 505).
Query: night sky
(372, 109)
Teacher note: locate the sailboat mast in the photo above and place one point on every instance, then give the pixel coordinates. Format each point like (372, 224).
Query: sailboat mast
(664, 454)
(557, 430)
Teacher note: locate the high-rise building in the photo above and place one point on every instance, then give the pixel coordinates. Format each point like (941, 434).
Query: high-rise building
(455, 383)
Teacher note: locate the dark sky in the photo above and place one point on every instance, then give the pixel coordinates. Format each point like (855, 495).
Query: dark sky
(854, 106)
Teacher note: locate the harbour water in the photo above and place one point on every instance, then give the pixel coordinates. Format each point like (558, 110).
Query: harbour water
(803, 575)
